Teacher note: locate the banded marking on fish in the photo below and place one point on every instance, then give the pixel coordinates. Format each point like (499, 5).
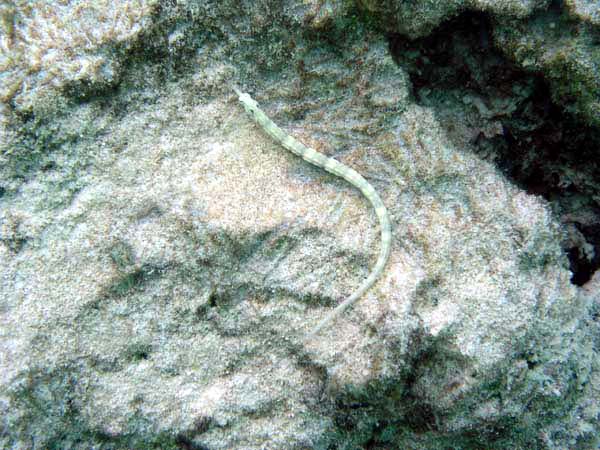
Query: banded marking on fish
(337, 168)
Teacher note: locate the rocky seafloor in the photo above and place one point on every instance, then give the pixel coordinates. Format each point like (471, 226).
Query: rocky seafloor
(162, 259)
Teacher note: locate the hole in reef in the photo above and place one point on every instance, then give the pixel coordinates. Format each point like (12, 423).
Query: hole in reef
(533, 141)
(585, 261)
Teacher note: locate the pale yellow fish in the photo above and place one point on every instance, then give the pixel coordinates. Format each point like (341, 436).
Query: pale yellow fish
(337, 168)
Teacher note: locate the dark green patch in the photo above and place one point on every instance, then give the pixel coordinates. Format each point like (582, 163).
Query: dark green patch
(529, 261)
(45, 409)
(138, 351)
(126, 284)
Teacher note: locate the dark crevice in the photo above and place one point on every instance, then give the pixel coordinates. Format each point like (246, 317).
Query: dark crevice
(540, 147)
(214, 300)
(585, 263)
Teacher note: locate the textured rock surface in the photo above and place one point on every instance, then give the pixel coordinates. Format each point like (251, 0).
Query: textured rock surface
(50, 44)
(540, 36)
(162, 258)
(565, 49)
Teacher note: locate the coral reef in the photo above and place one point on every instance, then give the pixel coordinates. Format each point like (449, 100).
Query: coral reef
(50, 44)
(162, 259)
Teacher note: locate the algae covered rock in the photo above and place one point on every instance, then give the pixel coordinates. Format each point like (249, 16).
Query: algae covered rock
(47, 45)
(564, 48)
(162, 259)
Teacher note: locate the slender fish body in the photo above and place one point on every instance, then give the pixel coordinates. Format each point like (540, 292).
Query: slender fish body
(337, 168)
